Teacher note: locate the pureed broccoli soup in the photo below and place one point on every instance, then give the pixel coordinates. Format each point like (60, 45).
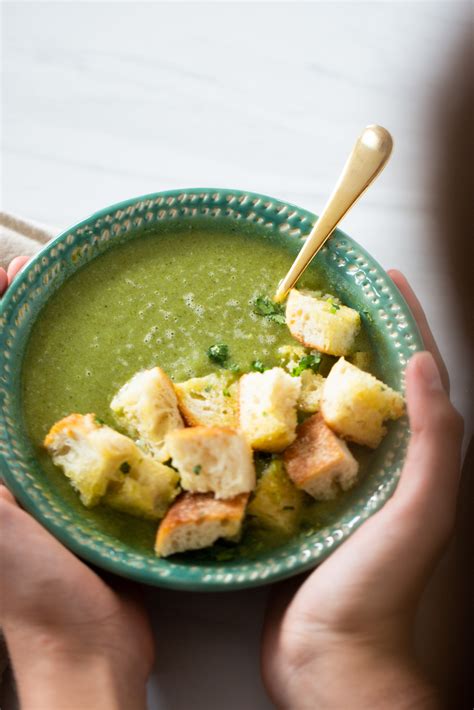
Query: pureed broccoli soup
(164, 298)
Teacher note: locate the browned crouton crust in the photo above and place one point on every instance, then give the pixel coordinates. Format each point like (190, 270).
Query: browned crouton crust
(318, 461)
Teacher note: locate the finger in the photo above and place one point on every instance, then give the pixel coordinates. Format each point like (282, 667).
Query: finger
(416, 308)
(6, 495)
(429, 482)
(3, 281)
(15, 266)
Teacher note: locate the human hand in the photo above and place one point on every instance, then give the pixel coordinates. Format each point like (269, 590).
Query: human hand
(71, 637)
(344, 639)
(6, 277)
(74, 642)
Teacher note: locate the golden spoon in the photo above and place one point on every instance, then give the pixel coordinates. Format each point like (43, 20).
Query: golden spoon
(368, 158)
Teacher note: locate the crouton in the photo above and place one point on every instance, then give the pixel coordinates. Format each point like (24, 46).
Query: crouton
(212, 459)
(322, 324)
(311, 390)
(276, 503)
(290, 356)
(311, 383)
(355, 404)
(197, 521)
(319, 462)
(89, 454)
(209, 401)
(146, 490)
(267, 408)
(147, 408)
(361, 359)
(95, 458)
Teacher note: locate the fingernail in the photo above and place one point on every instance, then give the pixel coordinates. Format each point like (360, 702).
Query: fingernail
(430, 372)
(3, 281)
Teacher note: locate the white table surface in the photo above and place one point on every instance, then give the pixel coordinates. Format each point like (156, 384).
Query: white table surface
(103, 101)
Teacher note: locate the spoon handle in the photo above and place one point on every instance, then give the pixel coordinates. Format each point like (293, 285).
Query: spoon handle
(367, 159)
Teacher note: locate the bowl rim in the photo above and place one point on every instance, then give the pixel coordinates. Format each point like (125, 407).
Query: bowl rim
(119, 566)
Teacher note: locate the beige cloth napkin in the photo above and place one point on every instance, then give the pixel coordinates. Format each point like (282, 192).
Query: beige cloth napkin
(20, 236)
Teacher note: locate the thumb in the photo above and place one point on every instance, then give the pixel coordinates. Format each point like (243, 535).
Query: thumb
(429, 482)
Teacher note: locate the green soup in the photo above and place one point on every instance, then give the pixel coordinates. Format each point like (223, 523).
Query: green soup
(162, 299)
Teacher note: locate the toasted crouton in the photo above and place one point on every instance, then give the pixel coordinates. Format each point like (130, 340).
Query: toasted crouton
(355, 404)
(267, 408)
(309, 399)
(147, 408)
(318, 461)
(311, 391)
(276, 504)
(197, 521)
(212, 459)
(209, 401)
(361, 359)
(146, 490)
(95, 458)
(290, 356)
(321, 323)
(89, 454)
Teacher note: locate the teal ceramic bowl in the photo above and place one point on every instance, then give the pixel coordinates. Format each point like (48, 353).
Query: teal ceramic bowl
(360, 282)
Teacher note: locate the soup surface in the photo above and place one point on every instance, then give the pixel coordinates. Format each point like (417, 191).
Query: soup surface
(161, 299)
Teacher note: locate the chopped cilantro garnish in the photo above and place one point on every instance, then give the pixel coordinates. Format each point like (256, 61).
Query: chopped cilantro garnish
(264, 306)
(234, 367)
(218, 353)
(197, 469)
(125, 467)
(311, 361)
(258, 366)
(226, 392)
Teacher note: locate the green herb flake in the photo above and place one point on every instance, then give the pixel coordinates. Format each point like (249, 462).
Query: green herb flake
(311, 361)
(125, 467)
(226, 392)
(367, 316)
(258, 366)
(197, 469)
(218, 353)
(278, 318)
(99, 421)
(264, 306)
(234, 368)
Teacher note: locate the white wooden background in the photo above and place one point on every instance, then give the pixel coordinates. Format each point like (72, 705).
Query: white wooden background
(103, 101)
